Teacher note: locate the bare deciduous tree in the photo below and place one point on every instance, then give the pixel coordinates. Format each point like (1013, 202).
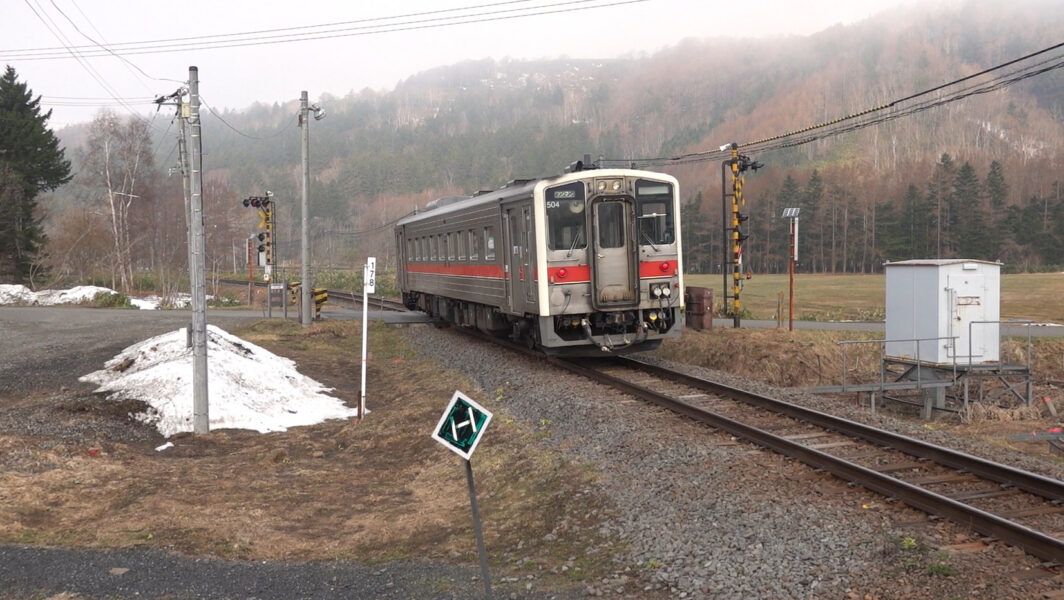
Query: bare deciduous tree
(117, 160)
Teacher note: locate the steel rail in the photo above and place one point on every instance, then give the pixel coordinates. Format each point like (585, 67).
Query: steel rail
(1036, 543)
(384, 303)
(1050, 489)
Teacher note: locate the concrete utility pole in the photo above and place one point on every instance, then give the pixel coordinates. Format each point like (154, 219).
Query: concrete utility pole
(196, 268)
(182, 157)
(306, 292)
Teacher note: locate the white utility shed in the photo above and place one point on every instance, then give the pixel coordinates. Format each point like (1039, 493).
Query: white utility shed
(943, 298)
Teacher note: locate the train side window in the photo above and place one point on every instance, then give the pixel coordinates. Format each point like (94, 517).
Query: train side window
(432, 247)
(463, 244)
(489, 243)
(409, 249)
(451, 243)
(474, 245)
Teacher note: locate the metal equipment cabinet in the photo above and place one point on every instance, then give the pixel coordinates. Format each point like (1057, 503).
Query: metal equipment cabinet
(943, 311)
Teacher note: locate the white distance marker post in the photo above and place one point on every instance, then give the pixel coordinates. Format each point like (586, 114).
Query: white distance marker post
(369, 284)
(460, 429)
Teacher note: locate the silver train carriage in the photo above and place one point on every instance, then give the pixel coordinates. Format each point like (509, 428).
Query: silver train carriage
(581, 263)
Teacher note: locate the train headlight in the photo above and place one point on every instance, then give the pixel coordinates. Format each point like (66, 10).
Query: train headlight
(665, 291)
(656, 291)
(653, 316)
(609, 185)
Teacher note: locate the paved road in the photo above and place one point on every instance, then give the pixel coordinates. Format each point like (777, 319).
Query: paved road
(50, 347)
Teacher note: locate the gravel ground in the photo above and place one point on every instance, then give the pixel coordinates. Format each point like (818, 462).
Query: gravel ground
(707, 517)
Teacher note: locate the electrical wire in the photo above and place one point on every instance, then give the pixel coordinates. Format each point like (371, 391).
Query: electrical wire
(875, 115)
(54, 28)
(283, 29)
(367, 231)
(247, 39)
(125, 60)
(210, 109)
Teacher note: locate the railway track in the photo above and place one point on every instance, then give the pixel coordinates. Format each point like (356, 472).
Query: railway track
(1019, 508)
(374, 301)
(338, 295)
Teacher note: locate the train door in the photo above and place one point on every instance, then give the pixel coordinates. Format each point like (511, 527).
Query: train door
(520, 262)
(529, 263)
(401, 252)
(613, 274)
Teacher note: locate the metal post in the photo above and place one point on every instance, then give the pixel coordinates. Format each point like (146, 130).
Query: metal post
(304, 244)
(478, 531)
(737, 192)
(725, 237)
(196, 268)
(251, 270)
(793, 258)
(365, 334)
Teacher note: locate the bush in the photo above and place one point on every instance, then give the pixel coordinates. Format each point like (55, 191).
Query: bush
(110, 300)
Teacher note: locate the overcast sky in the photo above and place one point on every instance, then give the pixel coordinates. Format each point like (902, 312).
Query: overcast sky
(366, 56)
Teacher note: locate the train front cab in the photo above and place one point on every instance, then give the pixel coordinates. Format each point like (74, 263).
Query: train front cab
(614, 276)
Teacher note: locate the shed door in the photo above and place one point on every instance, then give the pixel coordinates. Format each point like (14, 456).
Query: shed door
(967, 305)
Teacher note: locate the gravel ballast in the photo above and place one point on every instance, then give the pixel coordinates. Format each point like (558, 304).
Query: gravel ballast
(705, 516)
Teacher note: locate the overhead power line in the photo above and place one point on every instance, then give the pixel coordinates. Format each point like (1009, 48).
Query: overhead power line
(879, 114)
(361, 27)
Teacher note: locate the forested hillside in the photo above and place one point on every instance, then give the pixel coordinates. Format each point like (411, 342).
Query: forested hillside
(978, 178)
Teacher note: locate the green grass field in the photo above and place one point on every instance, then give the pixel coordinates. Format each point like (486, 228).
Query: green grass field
(1038, 296)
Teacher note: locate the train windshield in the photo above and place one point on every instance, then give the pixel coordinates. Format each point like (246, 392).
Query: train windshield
(654, 211)
(566, 218)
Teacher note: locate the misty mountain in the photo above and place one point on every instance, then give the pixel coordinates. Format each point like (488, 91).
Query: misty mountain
(476, 125)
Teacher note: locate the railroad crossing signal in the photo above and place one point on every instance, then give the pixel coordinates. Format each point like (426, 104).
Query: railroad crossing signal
(462, 425)
(264, 206)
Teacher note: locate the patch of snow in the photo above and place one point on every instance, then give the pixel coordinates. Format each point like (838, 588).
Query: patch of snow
(248, 387)
(20, 294)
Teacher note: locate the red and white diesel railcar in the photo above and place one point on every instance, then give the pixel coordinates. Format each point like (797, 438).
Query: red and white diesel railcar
(588, 260)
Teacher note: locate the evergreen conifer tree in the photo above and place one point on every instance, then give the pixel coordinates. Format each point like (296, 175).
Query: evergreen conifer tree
(31, 162)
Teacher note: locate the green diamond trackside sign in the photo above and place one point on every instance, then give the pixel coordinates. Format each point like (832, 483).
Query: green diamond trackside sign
(461, 425)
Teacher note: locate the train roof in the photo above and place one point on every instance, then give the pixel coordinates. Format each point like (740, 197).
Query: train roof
(512, 189)
(450, 204)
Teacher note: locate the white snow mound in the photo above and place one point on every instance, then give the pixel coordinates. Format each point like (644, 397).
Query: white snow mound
(20, 294)
(248, 387)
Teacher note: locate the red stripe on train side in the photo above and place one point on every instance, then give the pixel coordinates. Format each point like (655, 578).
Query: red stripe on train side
(486, 271)
(573, 274)
(648, 269)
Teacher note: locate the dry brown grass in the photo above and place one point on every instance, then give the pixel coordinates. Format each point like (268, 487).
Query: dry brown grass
(374, 490)
(822, 297)
(777, 356)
